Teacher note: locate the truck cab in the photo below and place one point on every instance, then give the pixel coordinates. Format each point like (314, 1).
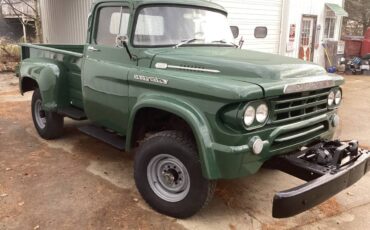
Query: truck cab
(165, 77)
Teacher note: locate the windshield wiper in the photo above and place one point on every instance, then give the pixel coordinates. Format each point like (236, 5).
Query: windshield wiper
(186, 42)
(225, 42)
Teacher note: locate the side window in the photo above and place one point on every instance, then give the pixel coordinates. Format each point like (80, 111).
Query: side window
(112, 22)
(330, 21)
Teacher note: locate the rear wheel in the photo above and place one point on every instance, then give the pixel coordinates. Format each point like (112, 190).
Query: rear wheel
(169, 177)
(49, 125)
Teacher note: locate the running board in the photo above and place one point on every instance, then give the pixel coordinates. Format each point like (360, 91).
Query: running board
(73, 113)
(110, 138)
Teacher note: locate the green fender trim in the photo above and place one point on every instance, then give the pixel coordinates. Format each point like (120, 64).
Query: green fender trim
(47, 74)
(195, 120)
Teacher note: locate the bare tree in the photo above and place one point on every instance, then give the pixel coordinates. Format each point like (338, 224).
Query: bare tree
(359, 15)
(32, 14)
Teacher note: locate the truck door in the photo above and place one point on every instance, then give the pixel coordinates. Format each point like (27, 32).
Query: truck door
(106, 68)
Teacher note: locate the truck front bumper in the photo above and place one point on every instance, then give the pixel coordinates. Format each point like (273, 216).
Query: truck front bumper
(344, 167)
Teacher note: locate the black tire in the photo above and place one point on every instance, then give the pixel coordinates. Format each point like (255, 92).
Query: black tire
(178, 145)
(53, 122)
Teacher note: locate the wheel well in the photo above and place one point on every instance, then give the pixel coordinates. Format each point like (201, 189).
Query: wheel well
(28, 84)
(150, 120)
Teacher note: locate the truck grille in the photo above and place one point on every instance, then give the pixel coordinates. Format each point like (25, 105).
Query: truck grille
(299, 105)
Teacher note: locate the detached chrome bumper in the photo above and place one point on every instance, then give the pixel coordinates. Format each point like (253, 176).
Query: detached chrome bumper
(329, 167)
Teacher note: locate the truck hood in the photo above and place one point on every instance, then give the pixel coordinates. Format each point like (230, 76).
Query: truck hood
(271, 72)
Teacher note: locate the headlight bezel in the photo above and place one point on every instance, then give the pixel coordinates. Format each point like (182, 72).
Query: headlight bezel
(255, 124)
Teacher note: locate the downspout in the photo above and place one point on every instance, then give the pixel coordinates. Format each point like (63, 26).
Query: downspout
(341, 22)
(283, 27)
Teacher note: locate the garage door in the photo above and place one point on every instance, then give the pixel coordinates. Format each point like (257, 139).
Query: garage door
(248, 14)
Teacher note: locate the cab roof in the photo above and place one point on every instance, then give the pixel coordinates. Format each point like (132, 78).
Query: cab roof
(201, 3)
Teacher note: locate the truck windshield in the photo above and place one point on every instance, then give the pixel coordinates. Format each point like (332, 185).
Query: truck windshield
(171, 25)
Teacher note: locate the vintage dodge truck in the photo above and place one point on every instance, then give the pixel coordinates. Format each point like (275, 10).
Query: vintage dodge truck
(164, 77)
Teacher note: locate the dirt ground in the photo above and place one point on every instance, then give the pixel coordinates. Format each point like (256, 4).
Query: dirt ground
(77, 182)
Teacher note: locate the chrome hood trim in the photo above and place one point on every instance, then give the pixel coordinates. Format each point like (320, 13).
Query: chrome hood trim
(166, 66)
(308, 86)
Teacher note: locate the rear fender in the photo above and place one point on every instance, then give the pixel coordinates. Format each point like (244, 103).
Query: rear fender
(48, 76)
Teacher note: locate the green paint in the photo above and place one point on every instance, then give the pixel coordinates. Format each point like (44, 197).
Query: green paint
(107, 86)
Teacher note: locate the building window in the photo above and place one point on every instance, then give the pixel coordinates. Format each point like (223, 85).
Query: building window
(330, 22)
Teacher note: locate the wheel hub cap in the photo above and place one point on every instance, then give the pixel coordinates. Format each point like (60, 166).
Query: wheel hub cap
(40, 115)
(168, 178)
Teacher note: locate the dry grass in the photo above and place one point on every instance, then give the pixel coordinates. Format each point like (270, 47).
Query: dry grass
(9, 55)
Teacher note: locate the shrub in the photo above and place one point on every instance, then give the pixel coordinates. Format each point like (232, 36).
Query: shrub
(9, 51)
(9, 55)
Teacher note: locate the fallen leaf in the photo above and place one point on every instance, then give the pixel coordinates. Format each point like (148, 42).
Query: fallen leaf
(136, 199)
(36, 227)
(21, 203)
(3, 195)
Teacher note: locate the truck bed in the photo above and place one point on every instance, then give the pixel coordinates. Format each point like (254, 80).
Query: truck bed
(69, 56)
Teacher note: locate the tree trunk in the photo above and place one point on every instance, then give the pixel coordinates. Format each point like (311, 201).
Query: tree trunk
(38, 24)
(365, 27)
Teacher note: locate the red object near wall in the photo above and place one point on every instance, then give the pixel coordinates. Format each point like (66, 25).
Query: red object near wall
(366, 44)
(353, 45)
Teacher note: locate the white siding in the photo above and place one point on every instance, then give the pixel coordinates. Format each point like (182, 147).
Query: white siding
(248, 14)
(298, 8)
(65, 22)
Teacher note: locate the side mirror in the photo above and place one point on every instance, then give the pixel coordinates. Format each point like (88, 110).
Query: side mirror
(235, 31)
(121, 41)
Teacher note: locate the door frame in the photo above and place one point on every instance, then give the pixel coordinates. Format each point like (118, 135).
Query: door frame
(314, 28)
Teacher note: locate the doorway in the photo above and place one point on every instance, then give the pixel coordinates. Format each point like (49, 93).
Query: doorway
(307, 41)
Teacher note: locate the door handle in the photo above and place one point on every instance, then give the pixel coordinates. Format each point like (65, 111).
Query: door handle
(93, 49)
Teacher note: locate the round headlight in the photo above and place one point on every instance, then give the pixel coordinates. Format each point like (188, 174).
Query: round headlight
(331, 98)
(249, 115)
(338, 97)
(262, 113)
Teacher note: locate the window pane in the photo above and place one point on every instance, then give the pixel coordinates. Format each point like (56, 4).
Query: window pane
(109, 25)
(332, 27)
(327, 25)
(150, 25)
(169, 25)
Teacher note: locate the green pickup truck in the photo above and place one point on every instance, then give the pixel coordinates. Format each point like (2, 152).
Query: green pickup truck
(164, 77)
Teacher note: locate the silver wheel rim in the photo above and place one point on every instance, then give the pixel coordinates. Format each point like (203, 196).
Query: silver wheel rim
(168, 178)
(40, 115)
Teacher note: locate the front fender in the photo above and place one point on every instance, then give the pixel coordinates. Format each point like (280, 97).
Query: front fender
(194, 118)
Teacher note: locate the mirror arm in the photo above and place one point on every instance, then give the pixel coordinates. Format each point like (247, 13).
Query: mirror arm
(128, 51)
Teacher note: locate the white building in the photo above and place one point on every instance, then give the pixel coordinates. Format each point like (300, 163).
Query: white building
(296, 28)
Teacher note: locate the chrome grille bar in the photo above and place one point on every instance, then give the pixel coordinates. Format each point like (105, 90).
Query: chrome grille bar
(288, 108)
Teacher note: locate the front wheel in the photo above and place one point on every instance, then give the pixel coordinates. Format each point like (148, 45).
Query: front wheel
(49, 125)
(169, 177)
